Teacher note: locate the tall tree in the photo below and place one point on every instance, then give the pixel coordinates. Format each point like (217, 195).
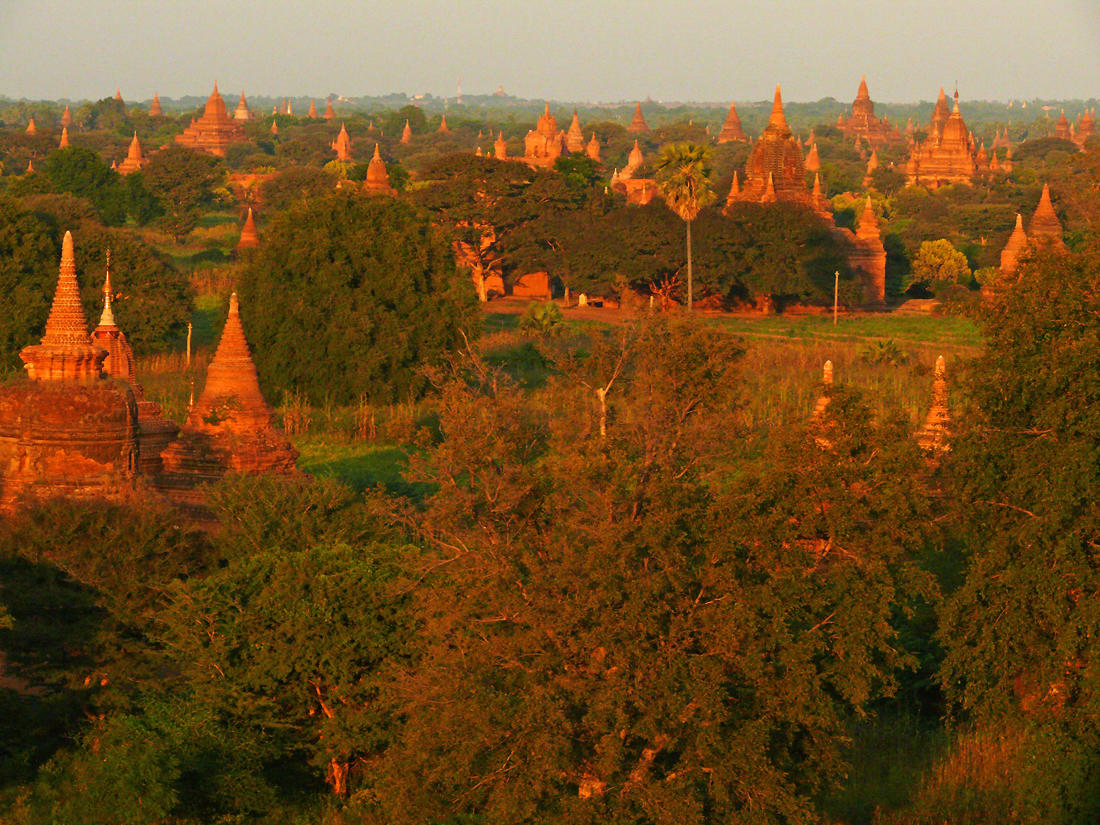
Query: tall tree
(682, 179)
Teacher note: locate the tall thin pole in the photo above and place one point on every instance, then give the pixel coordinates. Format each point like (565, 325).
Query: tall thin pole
(188, 345)
(836, 294)
(689, 262)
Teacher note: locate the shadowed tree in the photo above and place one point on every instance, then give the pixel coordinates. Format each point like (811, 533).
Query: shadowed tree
(682, 170)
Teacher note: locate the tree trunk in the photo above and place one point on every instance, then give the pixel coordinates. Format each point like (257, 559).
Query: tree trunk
(338, 777)
(601, 393)
(689, 264)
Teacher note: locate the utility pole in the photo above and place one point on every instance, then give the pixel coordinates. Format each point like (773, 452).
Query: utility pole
(836, 294)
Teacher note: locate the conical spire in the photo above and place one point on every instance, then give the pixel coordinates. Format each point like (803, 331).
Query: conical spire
(592, 150)
(1015, 248)
(735, 190)
(231, 375)
(31, 128)
(813, 160)
(250, 238)
(342, 144)
(574, 138)
(64, 143)
(769, 191)
(134, 157)
(406, 133)
(638, 124)
(65, 351)
(154, 108)
(312, 113)
(118, 93)
(242, 112)
(863, 94)
(443, 130)
(274, 127)
(1045, 227)
(330, 113)
(378, 178)
(66, 117)
(500, 147)
(868, 222)
(731, 128)
(777, 122)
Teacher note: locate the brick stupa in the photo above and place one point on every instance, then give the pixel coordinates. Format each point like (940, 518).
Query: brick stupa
(312, 113)
(250, 238)
(775, 169)
(946, 157)
(443, 128)
(231, 429)
(1016, 247)
(1045, 230)
(863, 123)
(330, 113)
(32, 130)
(342, 145)
(637, 124)
(731, 129)
(154, 108)
(66, 117)
(66, 430)
(1086, 128)
(155, 432)
(574, 137)
(242, 112)
(869, 257)
(214, 131)
(592, 150)
(134, 158)
(407, 133)
(813, 159)
(500, 147)
(64, 142)
(1061, 128)
(544, 144)
(378, 179)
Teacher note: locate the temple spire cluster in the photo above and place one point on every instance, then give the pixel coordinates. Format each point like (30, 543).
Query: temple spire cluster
(775, 170)
(215, 130)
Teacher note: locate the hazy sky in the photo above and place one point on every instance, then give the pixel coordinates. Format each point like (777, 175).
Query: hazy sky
(598, 50)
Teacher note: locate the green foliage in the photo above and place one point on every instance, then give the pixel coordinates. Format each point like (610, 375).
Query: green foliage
(85, 174)
(543, 318)
(183, 181)
(348, 297)
(938, 263)
(28, 259)
(295, 186)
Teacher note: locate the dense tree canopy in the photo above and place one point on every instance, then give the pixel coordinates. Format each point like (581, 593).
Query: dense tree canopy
(349, 296)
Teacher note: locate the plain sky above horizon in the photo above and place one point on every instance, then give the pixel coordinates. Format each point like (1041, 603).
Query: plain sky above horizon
(597, 50)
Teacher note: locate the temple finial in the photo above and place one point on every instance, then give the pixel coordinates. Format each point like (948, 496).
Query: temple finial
(107, 319)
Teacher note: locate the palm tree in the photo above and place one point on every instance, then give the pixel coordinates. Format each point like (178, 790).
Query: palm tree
(682, 170)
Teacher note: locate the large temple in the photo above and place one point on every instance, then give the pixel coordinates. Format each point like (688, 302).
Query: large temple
(862, 123)
(947, 155)
(134, 158)
(215, 130)
(545, 143)
(775, 169)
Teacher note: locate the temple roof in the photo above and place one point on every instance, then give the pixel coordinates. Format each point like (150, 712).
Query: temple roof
(250, 238)
(1045, 226)
(638, 124)
(731, 128)
(154, 107)
(777, 121)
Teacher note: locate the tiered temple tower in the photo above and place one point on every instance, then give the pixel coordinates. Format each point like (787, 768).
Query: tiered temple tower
(378, 179)
(250, 238)
(154, 108)
(863, 124)
(574, 138)
(946, 156)
(775, 170)
(214, 131)
(638, 125)
(342, 145)
(544, 144)
(66, 430)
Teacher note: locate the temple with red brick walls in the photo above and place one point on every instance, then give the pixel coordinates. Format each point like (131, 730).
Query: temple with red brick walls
(330, 113)
(731, 128)
(134, 158)
(946, 156)
(214, 132)
(775, 170)
(1016, 247)
(230, 429)
(66, 430)
(1045, 230)
(544, 144)
(154, 108)
(378, 179)
(1061, 128)
(862, 122)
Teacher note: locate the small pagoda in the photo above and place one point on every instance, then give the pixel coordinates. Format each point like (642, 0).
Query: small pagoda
(731, 128)
(242, 112)
(134, 158)
(231, 429)
(545, 143)
(250, 238)
(378, 179)
(342, 145)
(154, 108)
(574, 137)
(638, 125)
